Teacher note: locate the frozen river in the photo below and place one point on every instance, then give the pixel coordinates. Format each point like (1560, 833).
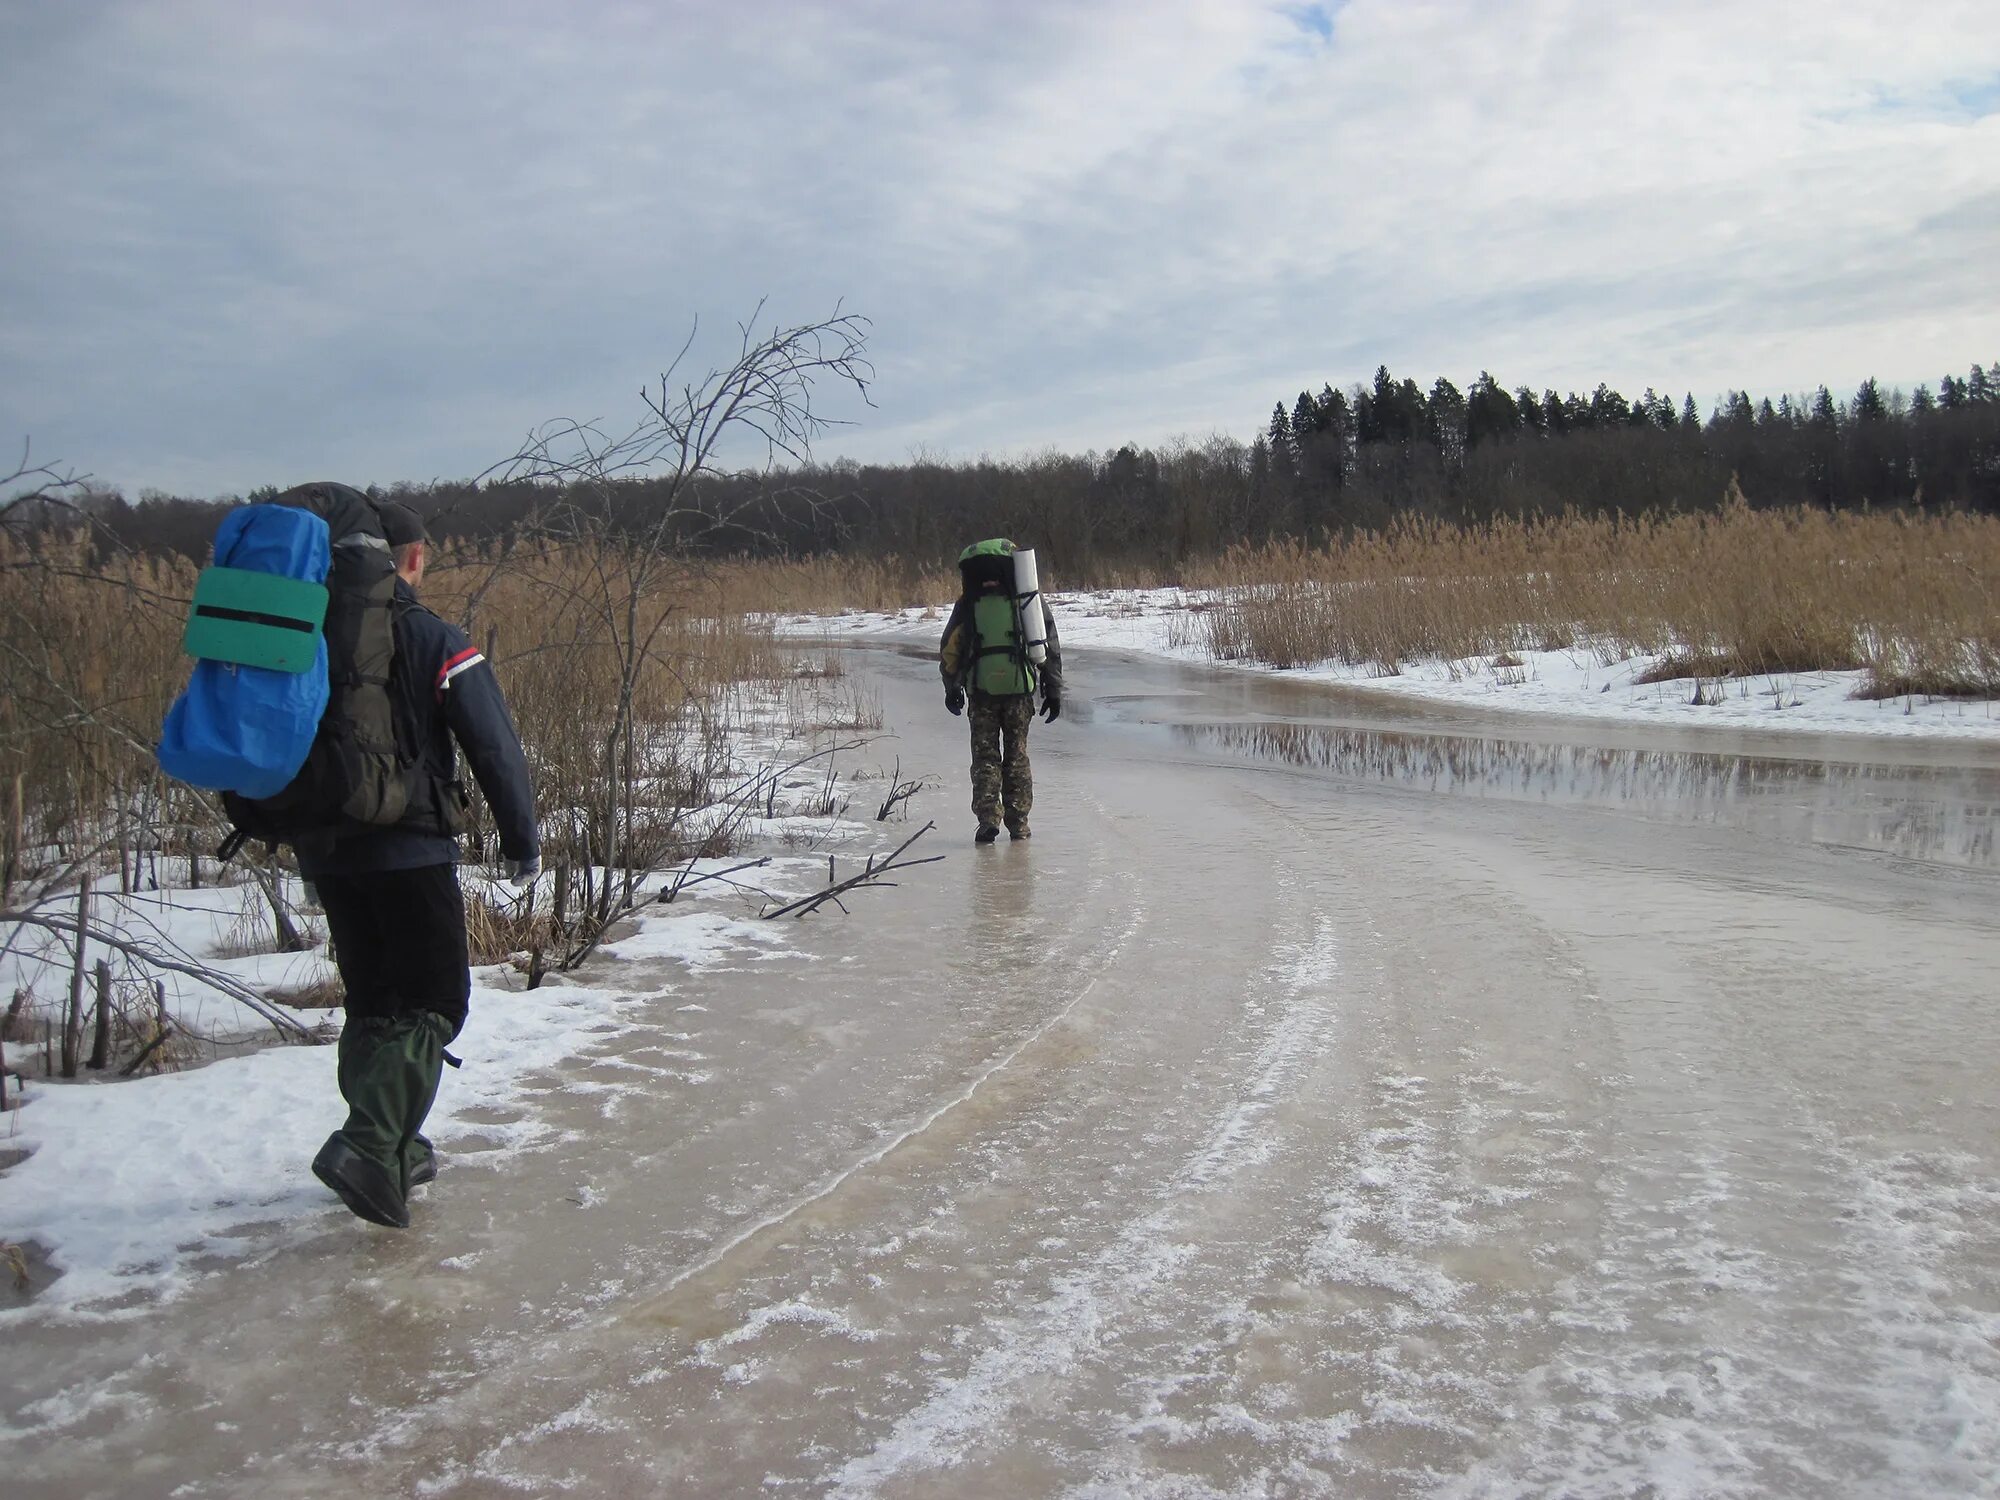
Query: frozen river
(1325, 1102)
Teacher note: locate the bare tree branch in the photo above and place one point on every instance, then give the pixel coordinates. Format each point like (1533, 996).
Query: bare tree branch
(872, 875)
(285, 1025)
(47, 485)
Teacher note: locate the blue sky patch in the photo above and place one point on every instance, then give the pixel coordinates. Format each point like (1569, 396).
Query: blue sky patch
(1316, 19)
(1978, 99)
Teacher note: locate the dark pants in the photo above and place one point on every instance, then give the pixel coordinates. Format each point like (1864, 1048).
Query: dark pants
(399, 940)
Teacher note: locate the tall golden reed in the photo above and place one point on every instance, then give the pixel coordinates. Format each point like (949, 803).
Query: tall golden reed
(1912, 599)
(90, 659)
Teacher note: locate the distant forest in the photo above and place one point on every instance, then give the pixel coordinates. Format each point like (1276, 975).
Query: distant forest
(1324, 464)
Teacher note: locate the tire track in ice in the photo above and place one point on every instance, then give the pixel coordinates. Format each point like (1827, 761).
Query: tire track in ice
(1059, 1333)
(827, 1186)
(587, 1343)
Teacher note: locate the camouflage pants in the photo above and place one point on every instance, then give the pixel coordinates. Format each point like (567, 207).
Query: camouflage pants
(1000, 773)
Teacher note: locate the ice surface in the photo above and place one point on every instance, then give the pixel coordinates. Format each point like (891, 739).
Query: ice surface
(1274, 1124)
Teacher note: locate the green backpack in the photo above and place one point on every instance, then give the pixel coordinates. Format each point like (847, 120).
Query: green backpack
(1001, 668)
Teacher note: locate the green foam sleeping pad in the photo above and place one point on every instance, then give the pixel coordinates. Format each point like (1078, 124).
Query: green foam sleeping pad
(255, 619)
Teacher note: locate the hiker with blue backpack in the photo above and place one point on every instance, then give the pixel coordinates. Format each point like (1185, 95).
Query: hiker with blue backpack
(329, 707)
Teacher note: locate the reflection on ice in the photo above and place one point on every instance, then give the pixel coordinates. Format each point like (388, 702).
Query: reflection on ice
(1945, 815)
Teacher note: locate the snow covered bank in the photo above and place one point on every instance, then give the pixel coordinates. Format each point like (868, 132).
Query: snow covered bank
(134, 1188)
(1572, 684)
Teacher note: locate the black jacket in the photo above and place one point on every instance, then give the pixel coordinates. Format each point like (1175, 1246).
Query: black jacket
(446, 700)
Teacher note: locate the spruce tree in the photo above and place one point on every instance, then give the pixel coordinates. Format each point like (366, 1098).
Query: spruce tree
(1337, 433)
(1444, 421)
(1284, 451)
(1868, 403)
(1490, 412)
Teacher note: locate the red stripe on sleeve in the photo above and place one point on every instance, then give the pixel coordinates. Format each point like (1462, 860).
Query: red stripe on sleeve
(464, 656)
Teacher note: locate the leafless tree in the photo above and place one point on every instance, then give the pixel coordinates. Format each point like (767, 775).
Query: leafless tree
(641, 540)
(33, 489)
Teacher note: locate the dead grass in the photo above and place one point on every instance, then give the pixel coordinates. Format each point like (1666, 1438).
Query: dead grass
(1731, 594)
(89, 660)
(560, 625)
(325, 993)
(1726, 594)
(828, 585)
(1676, 665)
(494, 934)
(1945, 684)
(252, 933)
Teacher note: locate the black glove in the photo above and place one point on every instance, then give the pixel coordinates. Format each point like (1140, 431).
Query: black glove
(1051, 707)
(954, 699)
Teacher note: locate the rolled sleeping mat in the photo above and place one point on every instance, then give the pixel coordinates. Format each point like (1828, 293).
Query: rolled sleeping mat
(1028, 597)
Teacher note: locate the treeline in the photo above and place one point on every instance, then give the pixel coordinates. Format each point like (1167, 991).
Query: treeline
(1488, 452)
(1326, 464)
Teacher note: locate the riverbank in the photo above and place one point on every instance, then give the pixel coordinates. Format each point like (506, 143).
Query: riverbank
(1572, 684)
(123, 1192)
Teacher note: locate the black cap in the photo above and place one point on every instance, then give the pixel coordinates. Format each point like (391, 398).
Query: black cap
(400, 524)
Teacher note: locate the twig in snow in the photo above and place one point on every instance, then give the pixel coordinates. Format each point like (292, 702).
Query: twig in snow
(872, 875)
(900, 791)
(147, 1051)
(683, 880)
(740, 804)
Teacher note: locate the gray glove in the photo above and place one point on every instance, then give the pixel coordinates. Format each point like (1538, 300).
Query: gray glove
(521, 873)
(954, 700)
(1051, 707)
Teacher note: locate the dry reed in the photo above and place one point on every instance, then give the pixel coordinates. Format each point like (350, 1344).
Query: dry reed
(1737, 592)
(90, 659)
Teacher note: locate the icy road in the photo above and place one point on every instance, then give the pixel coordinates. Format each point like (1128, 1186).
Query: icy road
(1321, 1104)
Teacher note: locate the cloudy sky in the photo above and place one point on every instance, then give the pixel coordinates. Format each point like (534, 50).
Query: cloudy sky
(255, 241)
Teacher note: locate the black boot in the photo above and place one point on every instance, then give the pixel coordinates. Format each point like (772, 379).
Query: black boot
(362, 1184)
(988, 832)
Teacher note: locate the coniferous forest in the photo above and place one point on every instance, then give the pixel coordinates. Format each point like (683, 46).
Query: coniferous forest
(1323, 465)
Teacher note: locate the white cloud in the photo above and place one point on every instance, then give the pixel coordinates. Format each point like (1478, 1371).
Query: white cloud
(252, 243)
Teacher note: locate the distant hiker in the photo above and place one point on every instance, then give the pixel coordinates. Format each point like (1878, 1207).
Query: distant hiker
(999, 646)
(392, 899)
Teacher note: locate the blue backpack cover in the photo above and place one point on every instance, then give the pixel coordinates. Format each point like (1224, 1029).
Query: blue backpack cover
(247, 729)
